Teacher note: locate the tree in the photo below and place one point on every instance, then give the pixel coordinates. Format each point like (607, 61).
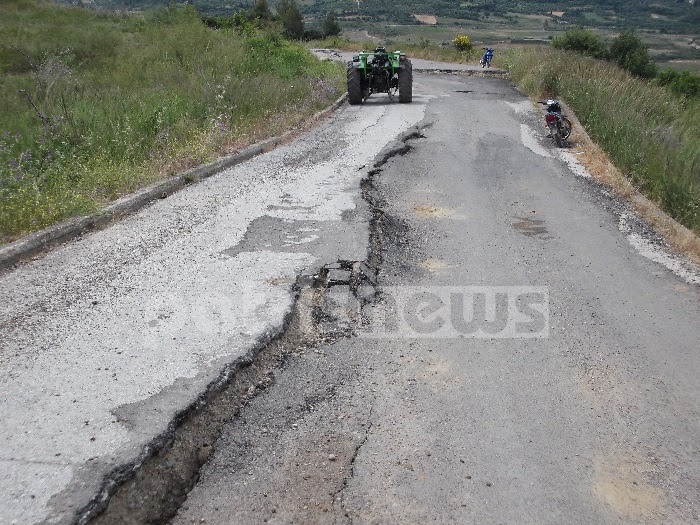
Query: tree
(331, 27)
(582, 41)
(291, 18)
(631, 54)
(261, 10)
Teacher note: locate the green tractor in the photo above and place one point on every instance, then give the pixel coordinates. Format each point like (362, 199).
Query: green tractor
(380, 71)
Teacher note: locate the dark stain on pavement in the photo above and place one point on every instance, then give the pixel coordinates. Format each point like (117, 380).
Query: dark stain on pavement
(530, 227)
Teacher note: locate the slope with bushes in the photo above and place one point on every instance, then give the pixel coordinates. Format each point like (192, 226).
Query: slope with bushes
(95, 105)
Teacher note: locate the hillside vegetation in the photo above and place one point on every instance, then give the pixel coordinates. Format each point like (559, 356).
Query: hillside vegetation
(651, 134)
(666, 15)
(95, 105)
(671, 28)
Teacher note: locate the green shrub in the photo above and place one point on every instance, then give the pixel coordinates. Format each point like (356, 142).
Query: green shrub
(462, 43)
(290, 16)
(331, 27)
(262, 10)
(582, 41)
(631, 54)
(424, 43)
(684, 84)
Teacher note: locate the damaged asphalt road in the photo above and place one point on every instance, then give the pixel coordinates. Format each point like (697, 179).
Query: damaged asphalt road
(596, 422)
(300, 410)
(109, 341)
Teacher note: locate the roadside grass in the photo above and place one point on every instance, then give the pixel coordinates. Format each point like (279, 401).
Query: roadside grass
(651, 135)
(96, 105)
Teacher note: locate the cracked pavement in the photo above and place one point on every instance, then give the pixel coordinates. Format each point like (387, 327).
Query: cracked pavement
(595, 423)
(108, 338)
(288, 456)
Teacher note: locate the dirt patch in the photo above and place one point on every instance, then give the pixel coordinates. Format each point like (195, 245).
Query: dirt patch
(620, 484)
(426, 19)
(433, 265)
(430, 211)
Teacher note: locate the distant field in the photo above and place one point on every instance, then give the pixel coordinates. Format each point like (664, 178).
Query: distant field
(665, 16)
(690, 65)
(678, 51)
(670, 27)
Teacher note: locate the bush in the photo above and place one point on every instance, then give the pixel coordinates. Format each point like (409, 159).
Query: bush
(582, 41)
(290, 16)
(631, 54)
(331, 27)
(462, 43)
(684, 84)
(261, 10)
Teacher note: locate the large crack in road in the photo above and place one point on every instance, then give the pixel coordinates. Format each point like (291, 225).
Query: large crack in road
(325, 373)
(144, 324)
(328, 307)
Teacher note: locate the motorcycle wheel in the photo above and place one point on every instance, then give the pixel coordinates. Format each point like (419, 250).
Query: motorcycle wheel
(565, 128)
(556, 135)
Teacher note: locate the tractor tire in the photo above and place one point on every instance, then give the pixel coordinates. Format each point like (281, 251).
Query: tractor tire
(406, 83)
(354, 85)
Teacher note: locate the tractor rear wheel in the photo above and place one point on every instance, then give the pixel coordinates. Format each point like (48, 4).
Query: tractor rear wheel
(406, 82)
(354, 85)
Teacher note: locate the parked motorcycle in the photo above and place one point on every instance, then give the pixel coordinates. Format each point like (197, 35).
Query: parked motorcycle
(559, 126)
(486, 57)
